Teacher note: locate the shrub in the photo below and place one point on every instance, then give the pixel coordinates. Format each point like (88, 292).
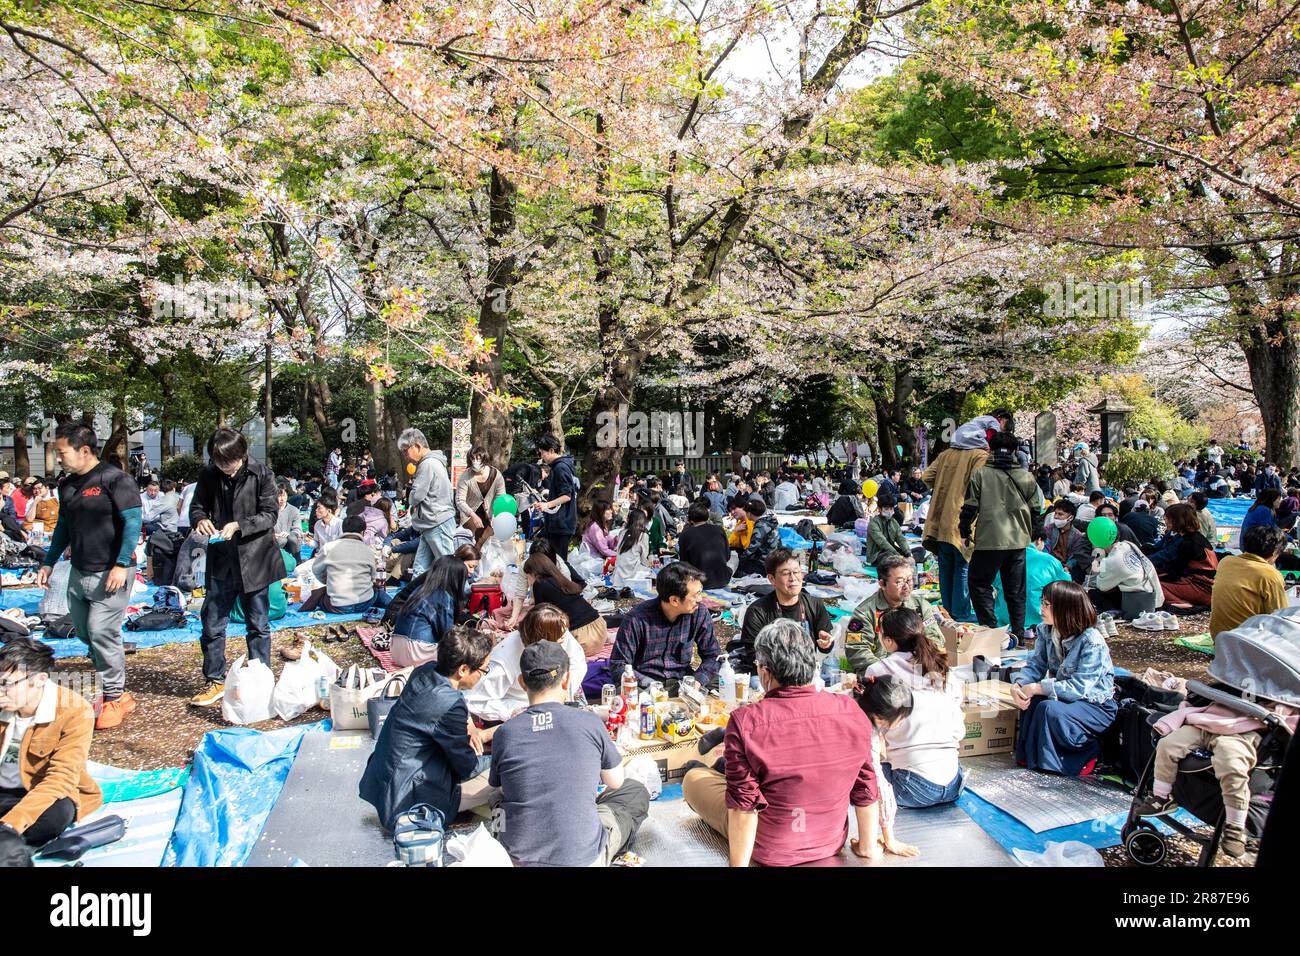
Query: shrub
(182, 468)
(1134, 465)
(297, 455)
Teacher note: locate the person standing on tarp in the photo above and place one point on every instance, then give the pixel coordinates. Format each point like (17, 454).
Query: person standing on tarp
(236, 504)
(99, 519)
(560, 509)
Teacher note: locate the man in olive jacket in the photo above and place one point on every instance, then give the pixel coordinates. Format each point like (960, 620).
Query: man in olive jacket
(236, 504)
(1003, 502)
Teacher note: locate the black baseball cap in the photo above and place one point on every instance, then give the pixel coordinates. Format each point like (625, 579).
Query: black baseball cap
(543, 663)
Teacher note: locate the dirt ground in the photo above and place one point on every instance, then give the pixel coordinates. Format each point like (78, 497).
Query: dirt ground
(164, 729)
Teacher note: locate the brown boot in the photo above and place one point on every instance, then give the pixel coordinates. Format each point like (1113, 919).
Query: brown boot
(1234, 841)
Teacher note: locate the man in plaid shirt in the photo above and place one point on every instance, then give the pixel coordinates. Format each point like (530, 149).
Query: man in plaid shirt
(658, 637)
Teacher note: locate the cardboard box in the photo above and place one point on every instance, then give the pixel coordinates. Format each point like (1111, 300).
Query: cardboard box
(990, 718)
(965, 642)
(669, 758)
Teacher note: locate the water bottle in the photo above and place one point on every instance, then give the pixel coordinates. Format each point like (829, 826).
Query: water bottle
(727, 680)
(200, 568)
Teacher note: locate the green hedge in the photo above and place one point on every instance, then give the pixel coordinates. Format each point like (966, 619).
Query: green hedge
(1134, 465)
(182, 468)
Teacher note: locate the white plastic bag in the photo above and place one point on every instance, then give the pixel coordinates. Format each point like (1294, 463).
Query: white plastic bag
(846, 563)
(250, 685)
(54, 603)
(587, 565)
(299, 687)
(1069, 853)
(476, 848)
(857, 590)
(643, 768)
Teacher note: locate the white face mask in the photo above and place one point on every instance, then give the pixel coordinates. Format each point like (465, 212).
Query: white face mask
(1061, 522)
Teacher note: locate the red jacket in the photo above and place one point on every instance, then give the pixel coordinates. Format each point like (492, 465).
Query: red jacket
(799, 758)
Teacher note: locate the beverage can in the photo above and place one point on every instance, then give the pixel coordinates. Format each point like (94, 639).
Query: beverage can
(649, 725)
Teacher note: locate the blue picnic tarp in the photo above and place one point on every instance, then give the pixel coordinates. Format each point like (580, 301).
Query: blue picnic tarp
(29, 600)
(236, 778)
(1229, 511)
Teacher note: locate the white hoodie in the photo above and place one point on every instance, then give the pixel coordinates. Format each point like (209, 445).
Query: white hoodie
(926, 741)
(1128, 569)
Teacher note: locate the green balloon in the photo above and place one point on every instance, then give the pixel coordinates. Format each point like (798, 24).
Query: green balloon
(1102, 532)
(505, 503)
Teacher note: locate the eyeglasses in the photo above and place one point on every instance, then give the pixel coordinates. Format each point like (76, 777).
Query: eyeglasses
(6, 684)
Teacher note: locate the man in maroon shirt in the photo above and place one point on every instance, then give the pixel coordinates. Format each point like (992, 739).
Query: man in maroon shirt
(794, 762)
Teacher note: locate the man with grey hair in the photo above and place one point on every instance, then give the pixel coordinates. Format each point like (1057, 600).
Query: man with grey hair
(433, 511)
(793, 762)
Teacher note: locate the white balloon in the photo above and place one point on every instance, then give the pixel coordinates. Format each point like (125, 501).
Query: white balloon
(504, 525)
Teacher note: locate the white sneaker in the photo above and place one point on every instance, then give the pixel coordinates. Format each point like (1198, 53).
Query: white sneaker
(1149, 621)
(1169, 621)
(1112, 630)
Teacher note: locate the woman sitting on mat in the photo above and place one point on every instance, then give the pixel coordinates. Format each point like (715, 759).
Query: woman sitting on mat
(1067, 688)
(1185, 559)
(550, 586)
(429, 611)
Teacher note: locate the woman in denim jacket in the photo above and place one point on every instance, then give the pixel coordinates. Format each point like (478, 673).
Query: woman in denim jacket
(1066, 690)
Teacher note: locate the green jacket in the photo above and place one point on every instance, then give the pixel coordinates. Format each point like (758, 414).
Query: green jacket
(862, 640)
(885, 536)
(1002, 501)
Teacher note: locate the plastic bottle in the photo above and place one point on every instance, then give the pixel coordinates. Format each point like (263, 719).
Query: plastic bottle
(632, 701)
(819, 684)
(727, 681)
(200, 568)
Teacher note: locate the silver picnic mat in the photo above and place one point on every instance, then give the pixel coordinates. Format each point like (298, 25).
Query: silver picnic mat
(674, 836)
(1041, 801)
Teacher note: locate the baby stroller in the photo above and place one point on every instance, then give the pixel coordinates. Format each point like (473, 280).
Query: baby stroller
(1260, 660)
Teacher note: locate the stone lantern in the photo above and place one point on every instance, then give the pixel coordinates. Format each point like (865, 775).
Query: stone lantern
(1113, 412)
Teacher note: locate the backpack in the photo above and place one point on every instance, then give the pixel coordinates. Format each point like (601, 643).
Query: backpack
(807, 530)
(166, 613)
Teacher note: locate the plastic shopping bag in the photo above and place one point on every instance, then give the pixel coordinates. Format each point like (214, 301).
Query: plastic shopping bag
(476, 848)
(300, 682)
(250, 685)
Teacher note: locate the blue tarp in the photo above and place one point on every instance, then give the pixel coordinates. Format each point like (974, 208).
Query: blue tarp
(29, 600)
(1229, 511)
(236, 778)
(1014, 835)
(790, 539)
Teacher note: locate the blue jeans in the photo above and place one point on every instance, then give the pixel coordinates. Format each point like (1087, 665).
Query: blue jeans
(380, 600)
(434, 543)
(953, 589)
(914, 791)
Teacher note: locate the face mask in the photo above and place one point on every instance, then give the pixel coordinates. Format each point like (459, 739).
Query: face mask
(1061, 522)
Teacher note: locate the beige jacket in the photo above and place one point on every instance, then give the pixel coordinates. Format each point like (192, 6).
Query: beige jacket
(948, 477)
(52, 757)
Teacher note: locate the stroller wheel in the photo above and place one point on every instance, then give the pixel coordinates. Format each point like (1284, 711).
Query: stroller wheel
(1146, 847)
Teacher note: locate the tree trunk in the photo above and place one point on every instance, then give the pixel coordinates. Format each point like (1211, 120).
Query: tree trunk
(1273, 358)
(317, 402)
(885, 433)
(383, 444)
(267, 414)
(490, 424)
(603, 464)
(742, 436)
(22, 462)
(119, 437)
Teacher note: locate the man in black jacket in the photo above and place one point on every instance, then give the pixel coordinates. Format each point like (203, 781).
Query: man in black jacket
(235, 506)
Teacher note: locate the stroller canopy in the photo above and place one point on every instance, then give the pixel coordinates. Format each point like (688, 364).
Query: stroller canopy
(1262, 657)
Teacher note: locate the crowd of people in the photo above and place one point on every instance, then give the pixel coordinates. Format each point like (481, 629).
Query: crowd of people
(501, 634)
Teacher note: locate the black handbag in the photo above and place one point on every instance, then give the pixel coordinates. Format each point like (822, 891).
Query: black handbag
(73, 843)
(378, 708)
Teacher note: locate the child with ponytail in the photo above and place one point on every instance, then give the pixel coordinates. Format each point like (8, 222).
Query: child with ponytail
(885, 701)
(921, 745)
